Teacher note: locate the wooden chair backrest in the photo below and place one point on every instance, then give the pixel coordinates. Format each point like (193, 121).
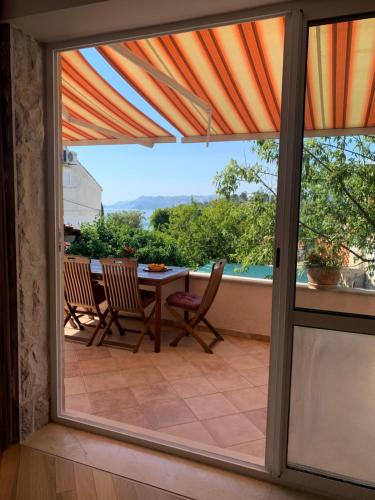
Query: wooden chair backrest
(212, 286)
(77, 281)
(120, 277)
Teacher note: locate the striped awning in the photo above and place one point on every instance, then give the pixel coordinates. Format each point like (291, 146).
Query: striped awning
(93, 112)
(341, 78)
(236, 70)
(221, 84)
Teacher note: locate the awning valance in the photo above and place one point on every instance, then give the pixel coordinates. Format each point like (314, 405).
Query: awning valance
(93, 112)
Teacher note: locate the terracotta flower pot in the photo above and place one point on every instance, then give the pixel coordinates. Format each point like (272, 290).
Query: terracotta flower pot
(322, 278)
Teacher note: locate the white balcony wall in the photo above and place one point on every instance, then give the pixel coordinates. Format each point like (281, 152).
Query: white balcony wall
(244, 305)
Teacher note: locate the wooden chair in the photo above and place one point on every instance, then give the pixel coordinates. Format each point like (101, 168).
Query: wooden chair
(120, 277)
(80, 291)
(199, 305)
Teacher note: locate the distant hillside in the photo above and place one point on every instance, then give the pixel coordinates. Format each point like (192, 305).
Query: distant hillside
(153, 202)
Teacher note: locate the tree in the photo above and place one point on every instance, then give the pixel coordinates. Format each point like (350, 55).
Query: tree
(131, 218)
(160, 218)
(206, 231)
(108, 236)
(337, 201)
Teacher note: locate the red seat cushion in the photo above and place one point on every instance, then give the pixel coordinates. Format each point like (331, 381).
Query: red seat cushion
(184, 300)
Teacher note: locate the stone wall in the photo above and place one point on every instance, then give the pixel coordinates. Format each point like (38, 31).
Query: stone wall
(31, 218)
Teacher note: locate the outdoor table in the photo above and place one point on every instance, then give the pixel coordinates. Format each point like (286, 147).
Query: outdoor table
(156, 280)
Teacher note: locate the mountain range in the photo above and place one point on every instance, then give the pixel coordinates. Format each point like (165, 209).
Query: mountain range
(153, 202)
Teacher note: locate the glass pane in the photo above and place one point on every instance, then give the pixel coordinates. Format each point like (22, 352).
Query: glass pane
(332, 411)
(336, 244)
(183, 205)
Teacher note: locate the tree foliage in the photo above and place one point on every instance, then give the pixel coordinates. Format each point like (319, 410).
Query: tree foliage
(337, 201)
(108, 236)
(337, 206)
(131, 218)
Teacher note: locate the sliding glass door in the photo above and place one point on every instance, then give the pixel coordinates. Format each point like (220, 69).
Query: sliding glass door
(332, 307)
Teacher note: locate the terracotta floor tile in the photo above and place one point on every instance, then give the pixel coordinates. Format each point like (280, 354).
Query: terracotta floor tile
(168, 413)
(98, 366)
(193, 430)
(113, 398)
(153, 393)
(226, 349)
(181, 370)
(258, 418)
(264, 389)
(192, 353)
(255, 448)
(257, 376)
(252, 398)
(212, 405)
(263, 357)
(104, 381)
(74, 385)
(232, 429)
(212, 365)
(78, 402)
(166, 357)
(131, 416)
(194, 386)
(72, 369)
(70, 346)
(181, 391)
(224, 381)
(142, 376)
(70, 356)
(92, 353)
(244, 362)
(127, 360)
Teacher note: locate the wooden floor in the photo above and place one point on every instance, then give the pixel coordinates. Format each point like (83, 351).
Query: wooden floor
(63, 463)
(28, 474)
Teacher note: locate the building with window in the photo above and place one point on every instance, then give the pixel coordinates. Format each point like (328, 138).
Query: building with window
(82, 193)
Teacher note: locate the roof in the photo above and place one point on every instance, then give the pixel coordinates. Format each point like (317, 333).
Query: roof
(225, 83)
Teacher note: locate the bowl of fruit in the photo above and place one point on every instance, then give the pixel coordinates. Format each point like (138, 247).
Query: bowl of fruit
(156, 268)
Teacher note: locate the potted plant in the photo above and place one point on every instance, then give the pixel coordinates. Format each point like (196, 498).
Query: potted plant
(128, 252)
(324, 265)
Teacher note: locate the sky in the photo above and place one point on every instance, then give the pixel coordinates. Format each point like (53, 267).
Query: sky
(126, 172)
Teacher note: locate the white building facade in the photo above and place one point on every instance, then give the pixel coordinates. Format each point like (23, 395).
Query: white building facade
(82, 193)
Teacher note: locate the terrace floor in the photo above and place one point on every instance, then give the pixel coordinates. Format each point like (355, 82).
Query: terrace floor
(206, 401)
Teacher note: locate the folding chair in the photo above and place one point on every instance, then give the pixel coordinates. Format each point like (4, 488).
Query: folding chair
(200, 305)
(81, 291)
(71, 316)
(120, 277)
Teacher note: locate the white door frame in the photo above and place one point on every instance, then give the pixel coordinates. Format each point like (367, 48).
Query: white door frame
(298, 14)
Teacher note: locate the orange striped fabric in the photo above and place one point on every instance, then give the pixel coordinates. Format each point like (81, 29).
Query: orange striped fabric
(341, 77)
(94, 112)
(237, 71)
